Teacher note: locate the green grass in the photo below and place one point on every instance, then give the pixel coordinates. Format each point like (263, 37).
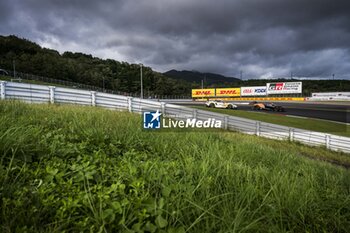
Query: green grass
(301, 123)
(84, 169)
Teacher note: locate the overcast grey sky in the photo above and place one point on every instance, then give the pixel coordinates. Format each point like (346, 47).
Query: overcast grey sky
(263, 38)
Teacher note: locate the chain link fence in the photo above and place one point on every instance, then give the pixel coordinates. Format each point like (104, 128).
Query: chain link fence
(24, 77)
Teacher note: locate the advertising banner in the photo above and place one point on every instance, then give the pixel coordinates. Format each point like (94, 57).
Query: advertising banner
(228, 91)
(203, 92)
(253, 91)
(284, 88)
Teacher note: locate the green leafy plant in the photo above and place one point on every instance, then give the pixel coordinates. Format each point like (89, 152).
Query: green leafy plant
(82, 169)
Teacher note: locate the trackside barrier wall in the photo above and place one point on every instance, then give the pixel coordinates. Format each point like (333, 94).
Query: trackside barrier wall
(336, 98)
(48, 94)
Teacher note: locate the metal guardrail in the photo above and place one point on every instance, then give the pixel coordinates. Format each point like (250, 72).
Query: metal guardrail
(49, 94)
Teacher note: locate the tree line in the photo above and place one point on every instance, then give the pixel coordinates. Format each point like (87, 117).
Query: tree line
(110, 74)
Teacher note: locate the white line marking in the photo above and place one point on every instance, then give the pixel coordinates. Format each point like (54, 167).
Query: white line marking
(298, 116)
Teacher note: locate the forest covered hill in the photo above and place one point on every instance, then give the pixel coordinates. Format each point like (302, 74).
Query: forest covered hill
(82, 68)
(197, 77)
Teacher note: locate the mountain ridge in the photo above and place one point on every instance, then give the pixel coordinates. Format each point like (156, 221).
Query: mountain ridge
(196, 76)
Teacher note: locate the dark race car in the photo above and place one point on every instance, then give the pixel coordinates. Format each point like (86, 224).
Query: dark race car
(274, 107)
(267, 107)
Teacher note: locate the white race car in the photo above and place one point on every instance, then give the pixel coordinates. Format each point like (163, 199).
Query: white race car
(219, 104)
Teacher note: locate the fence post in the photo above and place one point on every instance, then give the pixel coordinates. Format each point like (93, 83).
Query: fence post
(52, 94)
(130, 104)
(328, 141)
(225, 122)
(291, 134)
(93, 98)
(194, 114)
(3, 89)
(257, 128)
(163, 108)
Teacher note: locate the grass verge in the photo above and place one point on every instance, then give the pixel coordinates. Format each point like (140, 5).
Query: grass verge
(84, 169)
(301, 123)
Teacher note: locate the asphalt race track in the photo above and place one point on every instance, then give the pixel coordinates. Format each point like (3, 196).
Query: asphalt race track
(332, 112)
(320, 111)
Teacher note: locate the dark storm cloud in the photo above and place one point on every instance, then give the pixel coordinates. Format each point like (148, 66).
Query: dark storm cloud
(5, 12)
(269, 38)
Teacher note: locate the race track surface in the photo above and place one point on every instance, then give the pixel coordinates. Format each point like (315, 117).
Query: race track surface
(332, 112)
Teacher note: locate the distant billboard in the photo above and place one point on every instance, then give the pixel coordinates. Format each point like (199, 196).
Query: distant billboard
(284, 88)
(203, 92)
(253, 91)
(228, 92)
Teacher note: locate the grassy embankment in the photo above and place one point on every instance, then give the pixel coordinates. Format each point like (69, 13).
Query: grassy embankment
(83, 169)
(301, 123)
